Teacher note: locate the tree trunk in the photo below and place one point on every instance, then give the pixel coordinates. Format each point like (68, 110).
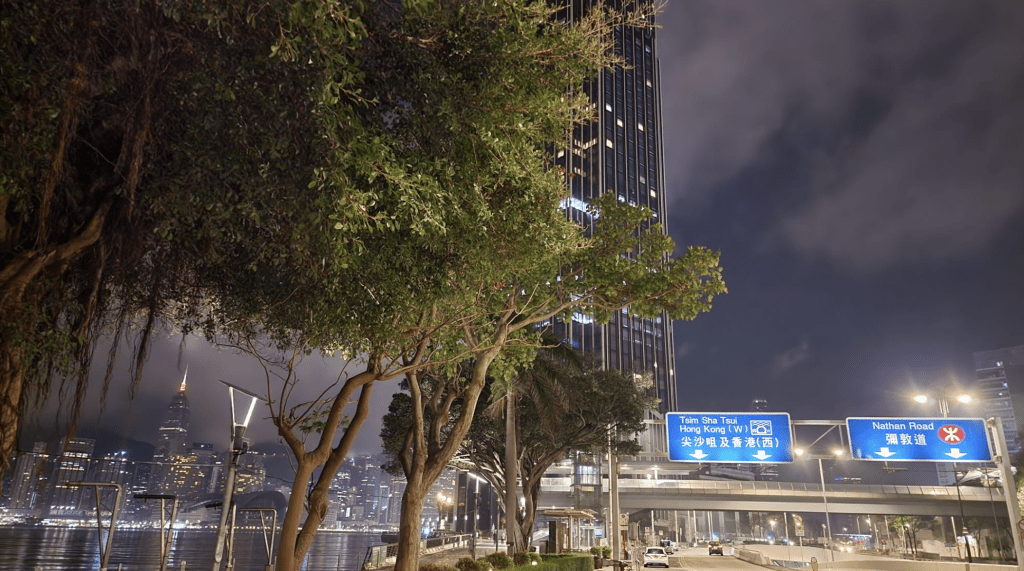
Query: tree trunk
(511, 480)
(408, 558)
(531, 491)
(12, 381)
(287, 557)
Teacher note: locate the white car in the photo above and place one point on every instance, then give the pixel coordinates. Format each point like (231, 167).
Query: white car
(655, 556)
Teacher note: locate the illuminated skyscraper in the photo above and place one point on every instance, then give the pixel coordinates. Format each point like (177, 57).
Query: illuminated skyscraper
(622, 153)
(173, 440)
(67, 499)
(997, 371)
(172, 444)
(29, 479)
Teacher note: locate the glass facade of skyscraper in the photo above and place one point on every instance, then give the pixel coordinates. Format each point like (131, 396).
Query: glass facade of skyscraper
(997, 371)
(621, 153)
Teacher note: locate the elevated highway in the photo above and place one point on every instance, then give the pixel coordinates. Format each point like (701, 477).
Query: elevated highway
(671, 494)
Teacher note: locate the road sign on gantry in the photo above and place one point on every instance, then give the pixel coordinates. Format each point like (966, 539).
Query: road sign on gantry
(729, 437)
(919, 439)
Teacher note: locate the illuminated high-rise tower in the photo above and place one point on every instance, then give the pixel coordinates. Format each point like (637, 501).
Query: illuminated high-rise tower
(173, 440)
(999, 370)
(622, 153)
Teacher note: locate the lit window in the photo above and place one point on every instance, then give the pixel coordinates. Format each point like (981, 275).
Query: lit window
(561, 154)
(649, 83)
(608, 107)
(654, 194)
(608, 143)
(640, 126)
(619, 122)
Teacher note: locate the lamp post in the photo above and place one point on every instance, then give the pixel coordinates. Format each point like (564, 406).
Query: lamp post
(444, 504)
(476, 512)
(239, 446)
(827, 526)
(943, 402)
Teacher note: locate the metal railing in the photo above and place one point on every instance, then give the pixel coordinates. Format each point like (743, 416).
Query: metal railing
(378, 556)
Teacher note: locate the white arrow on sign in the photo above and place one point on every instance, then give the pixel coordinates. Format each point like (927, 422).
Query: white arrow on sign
(761, 455)
(699, 454)
(884, 452)
(955, 453)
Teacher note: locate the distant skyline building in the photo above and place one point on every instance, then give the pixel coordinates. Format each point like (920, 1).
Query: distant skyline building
(622, 153)
(1000, 371)
(29, 479)
(73, 459)
(173, 439)
(172, 442)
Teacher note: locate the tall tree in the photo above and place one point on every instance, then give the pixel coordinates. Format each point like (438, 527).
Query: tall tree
(590, 411)
(143, 146)
(541, 382)
(464, 205)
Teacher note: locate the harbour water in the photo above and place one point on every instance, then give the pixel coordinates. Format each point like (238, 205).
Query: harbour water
(77, 549)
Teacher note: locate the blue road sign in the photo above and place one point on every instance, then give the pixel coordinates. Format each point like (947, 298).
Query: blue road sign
(729, 437)
(919, 439)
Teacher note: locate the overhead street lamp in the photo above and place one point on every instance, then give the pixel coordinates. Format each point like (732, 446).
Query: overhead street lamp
(943, 403)
(239, 446)
(836, 453)
(444, 505)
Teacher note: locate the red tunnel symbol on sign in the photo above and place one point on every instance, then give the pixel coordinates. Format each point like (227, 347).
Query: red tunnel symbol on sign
(951, 434)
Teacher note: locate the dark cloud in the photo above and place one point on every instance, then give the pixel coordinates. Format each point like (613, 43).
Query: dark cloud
(906, 117)
(790, 358)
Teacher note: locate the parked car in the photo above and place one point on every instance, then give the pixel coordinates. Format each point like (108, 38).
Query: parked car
(715, 547)
(655, 557)
(667, 544)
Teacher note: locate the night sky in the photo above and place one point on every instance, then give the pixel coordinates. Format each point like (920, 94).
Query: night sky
(860, 165)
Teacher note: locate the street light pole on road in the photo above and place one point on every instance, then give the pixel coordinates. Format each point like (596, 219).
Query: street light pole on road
(943, 403)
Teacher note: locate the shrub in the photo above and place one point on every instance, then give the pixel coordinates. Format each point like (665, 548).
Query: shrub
(521, 558)
(468, 564)
(499, 560)
(433, 567)
(595, 551)
(566, 562)
(606, 551)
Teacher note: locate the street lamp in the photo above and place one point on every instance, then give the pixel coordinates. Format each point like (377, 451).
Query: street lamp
(444, 504)
(476, 512)
(943, 402)
(239, 446)
(827, 526)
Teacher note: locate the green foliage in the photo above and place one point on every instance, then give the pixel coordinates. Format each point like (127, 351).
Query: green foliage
(565, 562)
(606, 551)
(469, 564)
(436, 567)
(499, 560)
(554, 562)
(595, 550)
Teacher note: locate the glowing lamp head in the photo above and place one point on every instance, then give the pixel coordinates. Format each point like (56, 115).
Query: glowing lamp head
(920, 399)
